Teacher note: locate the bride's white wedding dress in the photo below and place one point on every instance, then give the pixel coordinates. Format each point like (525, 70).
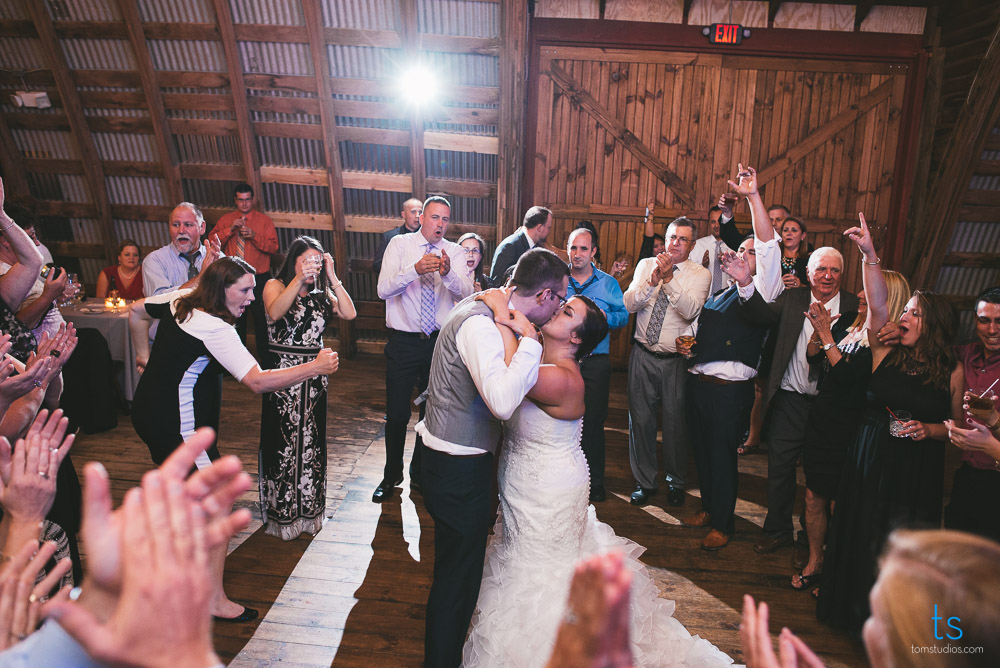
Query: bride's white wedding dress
(546, 525)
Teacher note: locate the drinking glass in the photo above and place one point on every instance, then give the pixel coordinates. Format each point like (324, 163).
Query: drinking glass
(896, 423)
(981, 406)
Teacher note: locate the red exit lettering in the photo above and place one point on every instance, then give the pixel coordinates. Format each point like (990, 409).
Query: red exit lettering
(725, 33)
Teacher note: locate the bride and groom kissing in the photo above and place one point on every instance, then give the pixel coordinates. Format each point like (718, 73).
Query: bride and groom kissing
(487, 360)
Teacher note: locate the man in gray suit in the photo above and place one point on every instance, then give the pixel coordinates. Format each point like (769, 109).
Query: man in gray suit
(470, 390)
(533, 231)
(792, 385)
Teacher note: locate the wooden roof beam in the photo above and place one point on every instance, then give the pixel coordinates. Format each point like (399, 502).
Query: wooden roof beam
(94, 174)
(409, 38)
(151, 89)
(244, 130)
(513, 94)
(15, 178)
(313, 14)
(949, 187)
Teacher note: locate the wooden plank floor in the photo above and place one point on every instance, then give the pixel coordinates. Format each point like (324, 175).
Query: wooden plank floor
(355, 594)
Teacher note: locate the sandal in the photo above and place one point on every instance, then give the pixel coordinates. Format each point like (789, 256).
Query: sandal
(747, 449)
(807, 582)
(815, 593)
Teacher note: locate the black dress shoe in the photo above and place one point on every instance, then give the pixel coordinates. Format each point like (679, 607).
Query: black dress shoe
(640, 497)
(248, 615)
(675, 496)
(385, 490)
(597, 494)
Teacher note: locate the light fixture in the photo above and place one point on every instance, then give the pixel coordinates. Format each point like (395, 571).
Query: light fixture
(417, 85)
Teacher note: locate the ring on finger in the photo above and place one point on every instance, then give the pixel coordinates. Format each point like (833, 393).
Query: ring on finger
(44, 474)
(55, 353)
(32, 598)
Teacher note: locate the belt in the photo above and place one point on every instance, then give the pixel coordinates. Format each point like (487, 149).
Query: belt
(413, 335)
(659, 356)
(720, 381)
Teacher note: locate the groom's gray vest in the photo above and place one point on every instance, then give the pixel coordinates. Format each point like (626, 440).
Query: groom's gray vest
(455, 412)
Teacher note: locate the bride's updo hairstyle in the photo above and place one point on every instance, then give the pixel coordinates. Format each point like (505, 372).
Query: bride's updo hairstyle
(593, 330)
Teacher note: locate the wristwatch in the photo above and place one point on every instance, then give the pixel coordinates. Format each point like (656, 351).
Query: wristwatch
(827, 346)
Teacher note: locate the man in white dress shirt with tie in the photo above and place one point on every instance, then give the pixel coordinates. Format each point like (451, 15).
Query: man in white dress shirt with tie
(419, 289)
(708, 248)
(667, 293)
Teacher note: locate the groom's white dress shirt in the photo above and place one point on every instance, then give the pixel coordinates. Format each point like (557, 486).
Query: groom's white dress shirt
(502, 387)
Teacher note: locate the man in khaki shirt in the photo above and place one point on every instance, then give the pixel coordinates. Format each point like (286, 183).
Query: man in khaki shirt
(667, 293)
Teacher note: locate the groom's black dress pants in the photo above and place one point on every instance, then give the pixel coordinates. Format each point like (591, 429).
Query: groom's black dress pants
(458, 495)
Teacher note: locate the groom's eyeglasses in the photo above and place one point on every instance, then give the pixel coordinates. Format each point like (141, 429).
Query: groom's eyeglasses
(562, 298)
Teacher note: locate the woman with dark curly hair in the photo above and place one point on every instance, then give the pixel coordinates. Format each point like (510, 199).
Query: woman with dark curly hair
(181, 385)
(894, 472)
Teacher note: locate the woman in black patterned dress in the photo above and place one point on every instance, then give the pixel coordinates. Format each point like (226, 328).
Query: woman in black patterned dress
(299, 303)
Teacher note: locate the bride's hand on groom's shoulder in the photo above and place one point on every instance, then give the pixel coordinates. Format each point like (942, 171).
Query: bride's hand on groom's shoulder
(498, 299)
(519, 323)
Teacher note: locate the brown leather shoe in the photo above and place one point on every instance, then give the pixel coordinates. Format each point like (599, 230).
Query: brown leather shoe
(767, 544)
(715, 540)
(698, 521)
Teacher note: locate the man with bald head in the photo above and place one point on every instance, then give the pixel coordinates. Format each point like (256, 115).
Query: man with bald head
(178, 264)
(411, 223)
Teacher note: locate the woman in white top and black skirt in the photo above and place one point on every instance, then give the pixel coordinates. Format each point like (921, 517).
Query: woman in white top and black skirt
(180, 388)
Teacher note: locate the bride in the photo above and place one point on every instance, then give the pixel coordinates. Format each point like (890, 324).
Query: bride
(546, 523)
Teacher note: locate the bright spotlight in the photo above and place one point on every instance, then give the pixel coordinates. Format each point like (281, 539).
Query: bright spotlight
(417, 85)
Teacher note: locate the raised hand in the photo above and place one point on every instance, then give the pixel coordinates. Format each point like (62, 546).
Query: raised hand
(820, 317)
(862, 236)
(663, 270)
(755, 640)
(445, 265)
(331, 275)
(748, 181)
(736, 267)
(20, 598)
(724, 206)
(28, 474)
(519, 323)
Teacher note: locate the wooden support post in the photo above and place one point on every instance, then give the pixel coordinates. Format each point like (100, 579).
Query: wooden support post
(94, 174)
(15, 179)
(951, 183)
(248, 148)
(513, 90)
(616, 128)
(154, 100)
(409, 38)
(313, 15)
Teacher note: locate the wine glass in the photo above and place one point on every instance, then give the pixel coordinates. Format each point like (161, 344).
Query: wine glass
(316, 262)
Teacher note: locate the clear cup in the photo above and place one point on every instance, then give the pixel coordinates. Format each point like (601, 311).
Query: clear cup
(981, 406)
(896, 423)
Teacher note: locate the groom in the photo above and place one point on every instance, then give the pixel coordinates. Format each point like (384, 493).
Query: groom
(470, 390)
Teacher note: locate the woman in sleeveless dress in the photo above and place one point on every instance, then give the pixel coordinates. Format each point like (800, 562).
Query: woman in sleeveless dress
(546, 523)
(892, 480)
(300, 303)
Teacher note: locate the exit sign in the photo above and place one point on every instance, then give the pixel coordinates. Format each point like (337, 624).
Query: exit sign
(725, 33)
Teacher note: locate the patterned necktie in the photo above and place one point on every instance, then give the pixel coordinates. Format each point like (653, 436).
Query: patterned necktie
(718, 278)
(241, 244)
(655, 323)
(428, 301)
(191, 258)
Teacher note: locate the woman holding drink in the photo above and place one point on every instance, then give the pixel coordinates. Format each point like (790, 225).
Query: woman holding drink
(891, 481)
(300, 303)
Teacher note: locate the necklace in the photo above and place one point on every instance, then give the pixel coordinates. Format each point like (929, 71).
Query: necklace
(121, 272)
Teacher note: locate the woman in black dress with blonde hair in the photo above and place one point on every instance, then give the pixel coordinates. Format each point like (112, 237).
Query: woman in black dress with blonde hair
(300, 303)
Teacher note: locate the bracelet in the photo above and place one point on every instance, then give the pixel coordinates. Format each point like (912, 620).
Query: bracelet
(339, 284)
(878, 260)
(12, 223)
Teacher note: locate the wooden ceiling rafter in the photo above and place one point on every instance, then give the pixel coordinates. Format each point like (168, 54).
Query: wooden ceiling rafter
(949, 187)
(151, 91)
(408, 37)
(15, 176)
(244, 129)
(94, 175)
(616, 128)
(313, 14)
(511, 143)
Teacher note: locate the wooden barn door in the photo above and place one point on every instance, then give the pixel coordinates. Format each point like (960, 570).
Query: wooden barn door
(616, 127)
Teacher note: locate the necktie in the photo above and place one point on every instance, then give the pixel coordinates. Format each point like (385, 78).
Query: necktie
(192, 269)
(241, 243)
(428, 305)
(655, 323)
(718, 277)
